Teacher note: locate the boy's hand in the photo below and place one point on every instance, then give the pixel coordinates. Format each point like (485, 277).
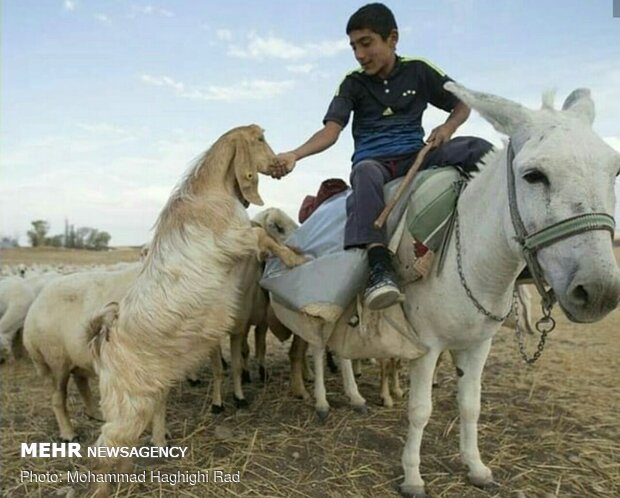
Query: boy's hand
(285, 163)
(440, 135)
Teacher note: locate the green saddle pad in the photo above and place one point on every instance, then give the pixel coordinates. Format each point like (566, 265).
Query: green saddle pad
(431, 204)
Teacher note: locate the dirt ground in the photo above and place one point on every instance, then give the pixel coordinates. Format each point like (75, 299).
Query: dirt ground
(548, 430)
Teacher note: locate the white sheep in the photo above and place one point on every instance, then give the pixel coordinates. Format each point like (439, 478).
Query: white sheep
(55, 338)
(16, 296)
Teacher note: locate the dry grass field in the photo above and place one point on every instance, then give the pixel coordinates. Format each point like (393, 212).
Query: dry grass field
(548, 430)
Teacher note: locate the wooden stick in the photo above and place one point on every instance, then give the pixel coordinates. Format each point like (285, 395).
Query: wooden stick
(380, 221)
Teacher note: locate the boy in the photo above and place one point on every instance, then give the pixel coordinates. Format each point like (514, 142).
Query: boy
(387, 96)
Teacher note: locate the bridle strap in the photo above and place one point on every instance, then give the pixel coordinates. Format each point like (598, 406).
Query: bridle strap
(530, 244)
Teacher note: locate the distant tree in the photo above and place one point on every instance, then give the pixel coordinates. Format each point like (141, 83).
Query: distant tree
(99, 240)
(70, 242)
(55, 241)
(6, 241)
(81, 237)
(38, 232)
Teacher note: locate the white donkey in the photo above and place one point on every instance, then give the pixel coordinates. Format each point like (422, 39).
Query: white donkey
(562, 176)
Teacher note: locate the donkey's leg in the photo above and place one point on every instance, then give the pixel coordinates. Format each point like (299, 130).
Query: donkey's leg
(469, 365)
(320, 397)
(420, 408)
(217, 369)
(350, 387)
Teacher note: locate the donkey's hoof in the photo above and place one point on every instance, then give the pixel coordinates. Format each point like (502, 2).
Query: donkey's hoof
(241, 403)
(409, 491)
(322, 414)
(217, 409)
(489, 487)
(361, 409)
(194, 382)
(483, 479)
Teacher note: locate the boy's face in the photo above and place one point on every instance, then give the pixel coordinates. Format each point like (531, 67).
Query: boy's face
(375, 55)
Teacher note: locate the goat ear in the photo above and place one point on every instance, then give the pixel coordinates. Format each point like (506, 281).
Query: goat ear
(505, 116)
(245, 172)
(580, 103)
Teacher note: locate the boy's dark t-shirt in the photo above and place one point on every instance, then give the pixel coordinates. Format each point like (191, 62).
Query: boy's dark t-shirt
(387, 113)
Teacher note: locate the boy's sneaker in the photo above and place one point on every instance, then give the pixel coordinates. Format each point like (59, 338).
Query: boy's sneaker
(382, 289)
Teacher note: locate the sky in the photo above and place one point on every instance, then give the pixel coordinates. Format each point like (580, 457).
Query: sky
(104, 104)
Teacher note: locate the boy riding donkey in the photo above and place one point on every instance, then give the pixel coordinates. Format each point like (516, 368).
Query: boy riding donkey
(387, 96)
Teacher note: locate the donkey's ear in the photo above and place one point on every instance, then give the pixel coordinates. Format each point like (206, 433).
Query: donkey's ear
(245, 172)
(505, 116)
(580, 103)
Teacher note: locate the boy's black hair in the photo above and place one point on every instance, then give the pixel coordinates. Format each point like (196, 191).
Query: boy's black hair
(375, 17)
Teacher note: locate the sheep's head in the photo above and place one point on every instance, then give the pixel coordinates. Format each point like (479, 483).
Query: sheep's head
(250, 155)
(277, 223)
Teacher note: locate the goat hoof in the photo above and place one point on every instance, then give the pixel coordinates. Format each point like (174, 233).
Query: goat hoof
(245, 377)
(357, 375)
(241, 403)
(262, 373)
(322, 414)
(74, 439)
(224, 363)
(217, 409)
(361, 409)
(194, 382)
(408, 491)
(159, 444)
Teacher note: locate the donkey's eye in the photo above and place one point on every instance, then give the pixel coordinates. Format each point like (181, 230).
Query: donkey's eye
(536, 176)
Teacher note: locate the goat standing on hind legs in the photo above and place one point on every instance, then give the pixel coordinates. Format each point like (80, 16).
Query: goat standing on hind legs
(186, 298)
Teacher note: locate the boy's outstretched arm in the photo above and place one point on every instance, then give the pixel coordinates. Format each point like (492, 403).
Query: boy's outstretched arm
(321, 140)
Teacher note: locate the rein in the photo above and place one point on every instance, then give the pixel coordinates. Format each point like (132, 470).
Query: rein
(530, 244)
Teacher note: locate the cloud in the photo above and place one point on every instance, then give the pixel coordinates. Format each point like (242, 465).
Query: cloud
(69, 4)
(301, 68)
(102, 18)
(272, 47)
(224, 34)
(121, 193)
(163, 81)
(245, 90)
(150, 10)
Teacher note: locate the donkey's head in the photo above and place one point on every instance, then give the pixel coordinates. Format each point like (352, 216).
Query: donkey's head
(562, 169)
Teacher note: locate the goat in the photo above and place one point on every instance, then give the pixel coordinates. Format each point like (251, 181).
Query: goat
(187, 297)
